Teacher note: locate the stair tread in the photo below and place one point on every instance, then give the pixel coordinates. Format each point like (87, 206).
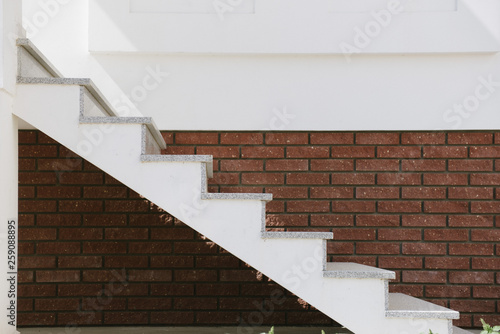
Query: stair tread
(355, 270)
(458, 330)
(297, 235)
(404, 306)
(238, 196)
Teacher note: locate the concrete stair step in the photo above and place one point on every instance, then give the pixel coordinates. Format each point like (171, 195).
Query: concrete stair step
(355, 270)
(404, 306)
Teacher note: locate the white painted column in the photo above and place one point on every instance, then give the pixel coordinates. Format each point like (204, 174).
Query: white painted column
(10, 29)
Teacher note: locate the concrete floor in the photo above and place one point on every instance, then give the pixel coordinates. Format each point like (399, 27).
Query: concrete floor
(181, 330)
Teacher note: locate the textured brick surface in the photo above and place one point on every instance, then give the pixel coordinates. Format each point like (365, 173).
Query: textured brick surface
(424, 204)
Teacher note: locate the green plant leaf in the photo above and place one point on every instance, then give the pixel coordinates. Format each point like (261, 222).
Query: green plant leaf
(323, 332)
(272, 330)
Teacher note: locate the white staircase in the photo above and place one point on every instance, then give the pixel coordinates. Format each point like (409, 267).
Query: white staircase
(74, 112)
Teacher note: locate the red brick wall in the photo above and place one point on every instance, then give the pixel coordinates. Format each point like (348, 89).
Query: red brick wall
(422, 204)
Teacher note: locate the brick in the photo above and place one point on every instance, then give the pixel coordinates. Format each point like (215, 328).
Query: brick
(222, 151)
(148, 247)
(126, 206)
(198, 275)
(400, 262)
(307, 152)
(377, 248)
(37, 151)
(307, 178)
(353, 152)
(184, 150)
(288, 192)
(446, 207)
(353, 178)
(126, 318)
(44, 139)
(287, 165)
(217, 261)
(79, 262)
(332, 192)
(399, 234)
(445, 152)
(287, 138)
(473, 305)
(262, 152)
(37, 319)
(178, 233)
(455, 291)
(171, 261)
(55, 276)
(81, 178)
(470, 193)
(421, 165)
(445, 179)
(172, 289)
(149, 303)
(241, 165)
(377, 220)
(471, 249)
(332, 220)
(58, 192)
(354, 234)
(399, 206)
(424, 248)
(485, 207)
(239, 189)
(104, 247)
(484, 152)
(27, 178)
(332, 138)
(340, 248)
(399, 179)
(275, 206)
(241, 138)
(27, 164)
(172, 318)
(377, 192)
(105, 192)
(446, 235)
(107, 220)
(447, 263)
(37, 290)
(168, 137)
(128, 261)
(80, 206)
(411, 276)
(27, 219)
(377, 165)
(353, 206)
(485, 179)
(338, 165)
(37, 262)
(485, 235)
(225, 178)
(37, 234)
(468, 138)
(308, 206)
(282, 220)
(150, 275)
(486, 263)
(468, 165)
(58, 247)
(415, 290)
(486, 292)
(262, 178)
(27, 136)
(378, 138)
(196, 303)
(37, 206)
(401, 152)
(80, 233)
(196, 247)
(196, 138)
(423, 193)
(423, 138)
(68, 164)
(471, 277)
(470, 221)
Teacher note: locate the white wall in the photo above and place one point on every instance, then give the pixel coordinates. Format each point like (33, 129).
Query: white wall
(227, 91)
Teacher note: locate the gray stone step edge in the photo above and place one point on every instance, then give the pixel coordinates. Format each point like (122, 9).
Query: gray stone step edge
(38, 55)
(356, 270)
(207, 161)
(404, 306)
